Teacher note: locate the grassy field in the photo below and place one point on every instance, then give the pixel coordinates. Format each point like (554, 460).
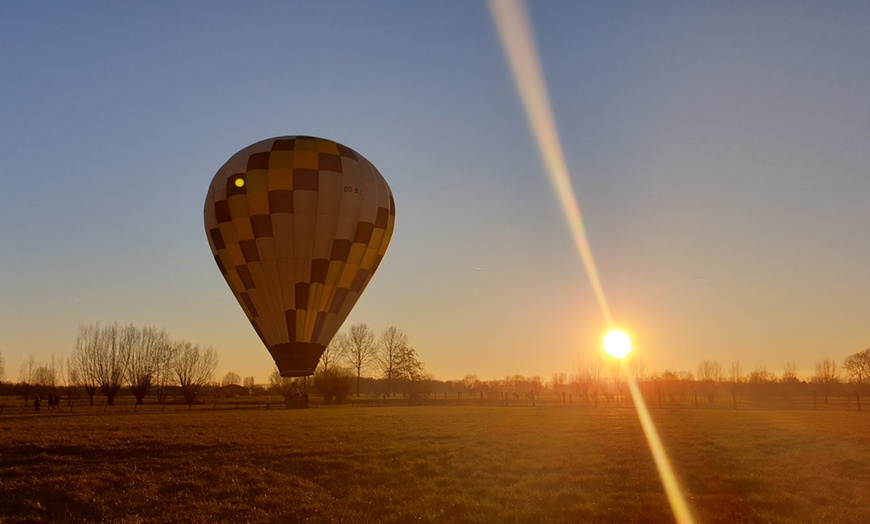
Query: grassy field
(430, 464)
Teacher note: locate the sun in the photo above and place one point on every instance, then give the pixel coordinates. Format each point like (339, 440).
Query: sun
(617, 344)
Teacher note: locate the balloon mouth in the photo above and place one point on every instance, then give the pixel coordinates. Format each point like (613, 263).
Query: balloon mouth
(296, 359)
(295, 373)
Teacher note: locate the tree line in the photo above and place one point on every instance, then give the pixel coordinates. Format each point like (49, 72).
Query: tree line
(146, 360)
(107, 358)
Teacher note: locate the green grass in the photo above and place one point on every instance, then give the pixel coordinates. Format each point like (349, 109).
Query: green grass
(430, 464)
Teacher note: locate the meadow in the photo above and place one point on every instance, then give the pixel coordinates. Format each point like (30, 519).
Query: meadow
(430, 464)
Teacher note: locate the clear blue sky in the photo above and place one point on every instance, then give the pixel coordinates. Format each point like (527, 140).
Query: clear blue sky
(719, 152)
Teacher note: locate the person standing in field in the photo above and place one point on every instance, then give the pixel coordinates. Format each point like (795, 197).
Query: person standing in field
(36, 402)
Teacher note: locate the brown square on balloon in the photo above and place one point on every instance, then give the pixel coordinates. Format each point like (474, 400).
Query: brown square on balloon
(281, 201)
(338, 300)
(258, 161)
(301, 296)
(329, 162)
(383, 218)
(319, 321)
(245, 276)
(222, 211)
(285, 144)
(340, 250)
(359, 281)
(217, 239)
(305, 179)
(364, 232)
(261, 225)
(250, 304)
(234, 189)
(319, 267)
(249, 250)
(346, 151)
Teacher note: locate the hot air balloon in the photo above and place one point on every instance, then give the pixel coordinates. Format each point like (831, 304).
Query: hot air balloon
(298, 225)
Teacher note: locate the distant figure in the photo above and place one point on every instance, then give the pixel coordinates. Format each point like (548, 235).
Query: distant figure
(36, 402)
(268, 402)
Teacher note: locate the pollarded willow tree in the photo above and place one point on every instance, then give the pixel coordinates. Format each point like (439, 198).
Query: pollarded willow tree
(113, 355)
(827, 375)
(83, 360)
(231, 379)
(148, 347)
(194, 367)
(857, 366)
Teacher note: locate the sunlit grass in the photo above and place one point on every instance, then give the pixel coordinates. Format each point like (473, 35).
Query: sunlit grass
(444, 464)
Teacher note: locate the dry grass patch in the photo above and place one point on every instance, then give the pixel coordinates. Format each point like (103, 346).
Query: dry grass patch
(430, 464)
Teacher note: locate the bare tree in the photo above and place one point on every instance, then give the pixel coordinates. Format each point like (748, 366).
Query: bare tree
(412, 373)
(710, 375)
(27, 376)
(736, 372)
(789, 372)
(83, 361)
(826, 375)
(333, 354)
(710, 371)
(736, 379)
(761, 381)
(248, 382)
(858, 368)
(113, 355)
(360, 349)
(46, 375)
(146, 347)
(392, 348)
(70, 377)
(26, 370)
(333, 382)
(164, 375)
(193, 367)
(231, 378)
(617, 378)
(471, 383)
(588, 379)
(636, 367)
(559, 380)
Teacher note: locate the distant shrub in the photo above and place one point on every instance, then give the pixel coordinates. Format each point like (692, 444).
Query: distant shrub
(334, 383)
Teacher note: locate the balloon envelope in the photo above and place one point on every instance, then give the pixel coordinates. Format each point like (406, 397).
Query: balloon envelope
(298, 225)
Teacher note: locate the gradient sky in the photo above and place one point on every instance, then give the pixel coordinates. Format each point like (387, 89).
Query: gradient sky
(719, 152)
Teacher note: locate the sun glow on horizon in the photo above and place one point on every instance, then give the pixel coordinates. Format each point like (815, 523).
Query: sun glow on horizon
(617, 344)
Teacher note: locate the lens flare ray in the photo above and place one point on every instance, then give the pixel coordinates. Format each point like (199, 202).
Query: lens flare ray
(679, 507)
(515, 31)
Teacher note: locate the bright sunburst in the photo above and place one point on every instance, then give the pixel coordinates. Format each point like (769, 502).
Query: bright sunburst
(617, 344)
